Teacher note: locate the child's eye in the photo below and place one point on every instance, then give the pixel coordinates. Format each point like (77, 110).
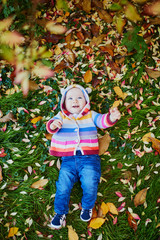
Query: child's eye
(69, 98)
(79, 97)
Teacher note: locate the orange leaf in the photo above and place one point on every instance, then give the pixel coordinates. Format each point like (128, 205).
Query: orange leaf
(96, 223)
(105, 208)
(12, 231)
(132, 222)
(35, 120)
(140, 197)
(86, 5)
(112, 208)
(155, 144)
(147, 137)
(1, 177)
(39, 184)
(5, 24)
(88, 76)
(72, 235)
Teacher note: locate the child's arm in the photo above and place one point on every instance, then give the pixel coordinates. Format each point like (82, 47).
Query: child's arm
(106, 120)
(54, 124)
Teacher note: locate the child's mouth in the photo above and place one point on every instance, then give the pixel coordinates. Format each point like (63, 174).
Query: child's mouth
(75, 106)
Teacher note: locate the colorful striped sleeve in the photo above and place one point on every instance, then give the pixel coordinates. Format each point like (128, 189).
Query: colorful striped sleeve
(102, 120)
(58, 116)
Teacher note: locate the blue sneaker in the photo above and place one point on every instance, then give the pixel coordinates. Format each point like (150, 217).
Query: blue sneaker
(58, 221)
(86, 214)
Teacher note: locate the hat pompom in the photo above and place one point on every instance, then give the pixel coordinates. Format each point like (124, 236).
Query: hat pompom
(89, 90)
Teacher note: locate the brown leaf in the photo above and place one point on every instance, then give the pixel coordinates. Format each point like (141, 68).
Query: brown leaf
(104, 143)
(88, 76)
(127, 175)
(72, 235)
(33, 85)
(95, 29)
(61, 66)
(68, 40)
(152, 9)
(132, 222)
(108, 48)
(94, 213)
(39, 184)
(153, 73)
(140, 197)
(1, 177)
(69, 55)
(86, 5)
(53, 38)
(97, 40)
(48, 136)
(8, 117)
(80, 36)
(105, 16)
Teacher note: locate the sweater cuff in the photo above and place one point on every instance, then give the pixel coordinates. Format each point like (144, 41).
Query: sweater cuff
(49, 129)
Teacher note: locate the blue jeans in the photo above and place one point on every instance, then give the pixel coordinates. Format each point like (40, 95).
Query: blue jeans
(85, 168)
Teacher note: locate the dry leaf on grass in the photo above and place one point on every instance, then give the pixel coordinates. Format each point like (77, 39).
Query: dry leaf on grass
(96, 223)
(132, 222)
(153, 73)
(39, 184)
(55, 28)
(149, 137)
(112, 208)
(1, 177)
(131, 13)
(140, 197)
(119, 92)
(36, 119)
(8, 117)
(88, 76)
(72, 235)
(104, 143)
(12, 231)
(105, 208)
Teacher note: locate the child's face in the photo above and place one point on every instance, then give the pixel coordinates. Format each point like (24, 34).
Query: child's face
(75, 101)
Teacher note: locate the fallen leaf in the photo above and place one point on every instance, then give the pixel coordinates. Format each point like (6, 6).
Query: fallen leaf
(96, 223)
(69, 55)
(1, 177)
(35, 120)
(62, 65)
(105, 16)
(152, 8)
(119, 92)
(86, 5)
(132, 222)
(112, 208)
(12, 38)
(155, 144)
(12, 231)
(105, 208)
(153, 73)
(5, 23)
(33, 85)
(88, 76)
(131, 13)
(108, 48)
(42, 71)
(72, 235)
(104, 143)
(140, 197)
(8, 117)
(55, 28)
(116, 104)
(39, 184)
(97, 40)
(48, 136)
(147, 137)
(120, 23)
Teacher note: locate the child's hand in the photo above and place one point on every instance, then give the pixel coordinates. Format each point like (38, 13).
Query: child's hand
(114, 114)
(56, 124)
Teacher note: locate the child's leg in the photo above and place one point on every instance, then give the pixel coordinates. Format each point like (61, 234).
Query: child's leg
(89, 173)
(66, 180)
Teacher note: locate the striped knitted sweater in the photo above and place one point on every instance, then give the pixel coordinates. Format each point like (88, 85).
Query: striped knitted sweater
(79, 132)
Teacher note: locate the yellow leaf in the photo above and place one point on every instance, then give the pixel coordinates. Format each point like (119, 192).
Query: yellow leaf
(12, 231)
(86, 4)
(96, 223)
(35, 120)
(155, 144)
(57, 50)
(158, 225)
(105, 208)
(88, 76)
(104, 143)
(119, 92)
(39, 184)
(131, 13)
(116, 104)
(147, 137)
(112, 208)
(140, 197)
(72, 235)
(120, 22)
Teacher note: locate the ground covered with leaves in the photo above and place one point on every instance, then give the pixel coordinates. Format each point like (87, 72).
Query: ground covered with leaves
(113, 48)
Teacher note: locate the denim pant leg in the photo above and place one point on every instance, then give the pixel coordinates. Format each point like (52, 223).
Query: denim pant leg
(89, 173)
(66, 180)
